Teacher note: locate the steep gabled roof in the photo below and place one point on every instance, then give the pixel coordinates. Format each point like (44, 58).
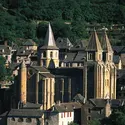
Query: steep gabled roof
(106, 43)
(49, 42)
(94, 43)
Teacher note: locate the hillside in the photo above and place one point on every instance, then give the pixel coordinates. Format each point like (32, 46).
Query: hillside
(19, 18)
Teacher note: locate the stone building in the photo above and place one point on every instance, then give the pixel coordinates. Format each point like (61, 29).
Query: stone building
(89, 71)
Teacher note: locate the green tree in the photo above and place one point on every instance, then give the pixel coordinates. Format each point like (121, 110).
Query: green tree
(2, 69)
(72, 123)
(94, 122)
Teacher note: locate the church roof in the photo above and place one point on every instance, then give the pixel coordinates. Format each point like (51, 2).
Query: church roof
(25, 113)
(106, 43)
(49, 42)
(64, 43)
(94, 44)
(67, 107)
(29, 42)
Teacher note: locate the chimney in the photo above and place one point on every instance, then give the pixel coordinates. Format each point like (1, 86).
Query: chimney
(5, 43)
(58, 102)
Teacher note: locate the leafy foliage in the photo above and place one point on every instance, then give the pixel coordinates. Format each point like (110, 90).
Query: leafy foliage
(18, 18)
(5, 73)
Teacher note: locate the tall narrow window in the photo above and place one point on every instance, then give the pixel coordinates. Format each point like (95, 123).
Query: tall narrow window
(51, 54)
(90, 56)
(44, 54)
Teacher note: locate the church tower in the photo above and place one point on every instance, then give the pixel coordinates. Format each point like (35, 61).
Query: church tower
(49, 52)
(23, 83)
(109, 68)
(95, 67)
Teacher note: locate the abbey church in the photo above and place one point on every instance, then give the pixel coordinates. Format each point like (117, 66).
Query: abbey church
(62, 71)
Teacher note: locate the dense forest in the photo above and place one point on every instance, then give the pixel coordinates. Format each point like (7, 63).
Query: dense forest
(69, 18)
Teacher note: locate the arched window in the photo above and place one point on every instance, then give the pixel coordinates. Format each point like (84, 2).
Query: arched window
(51, 54)
(90, 56)
(28, 120)
(20, 119)
(44, 54)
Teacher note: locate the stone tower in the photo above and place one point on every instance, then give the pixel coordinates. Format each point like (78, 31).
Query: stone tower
(49, 52)
(109, 68)
(95, 63)
(23, 83)
(101, 78)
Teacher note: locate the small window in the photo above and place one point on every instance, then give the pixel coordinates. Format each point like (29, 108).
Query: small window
(13, 119)
(51, 54)
(20, 119)
(89, 118)
(100, 112)
(89, 110)
(44, 63)
(70, 114)
(28, 120)
(90, 56)
(44, 54)
(67, 114)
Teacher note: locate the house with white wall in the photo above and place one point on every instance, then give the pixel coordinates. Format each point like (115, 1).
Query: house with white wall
(62, 113)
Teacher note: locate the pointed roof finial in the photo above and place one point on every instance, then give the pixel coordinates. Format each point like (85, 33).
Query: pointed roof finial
(49, 42)
(94, 44)
(105, 42)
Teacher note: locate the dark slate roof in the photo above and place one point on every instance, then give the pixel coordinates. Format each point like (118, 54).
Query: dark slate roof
(25, 113)
(23, 52)
(79, 98)
(81, 44)
(13, 66)
(123, 59)
(63, 43)
(29, 105)
(41, 69)
(48, 75)
(120, 73)
(4, 114)
(49, 42)
(105, 43)
(80, 57)
(94, 43)
(116, 59)
(70, 57)
(29, 42)
(117, 49)
(100, 103)
(67, 107)
(4, 50)
(123, 50)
